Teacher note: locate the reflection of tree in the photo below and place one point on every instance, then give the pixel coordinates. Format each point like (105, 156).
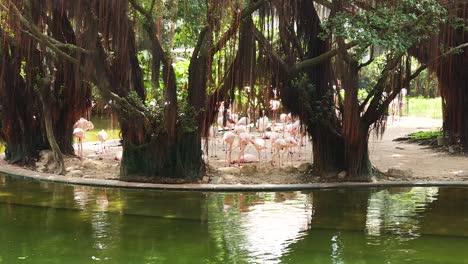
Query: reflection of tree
(448, 215)
(261, 231)
(56, 223)
(340, 209)
(335, 234)
(224, 224)
(398, 212)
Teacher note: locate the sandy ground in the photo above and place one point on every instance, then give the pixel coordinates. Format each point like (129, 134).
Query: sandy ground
(423, 161)
(418, 162)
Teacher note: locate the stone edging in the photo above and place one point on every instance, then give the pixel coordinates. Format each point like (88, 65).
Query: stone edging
(18, 172)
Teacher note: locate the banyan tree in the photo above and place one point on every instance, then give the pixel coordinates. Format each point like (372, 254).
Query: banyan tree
(41, 95)
(53, 52)
(446, 55)
(319, 59)
(72, 45)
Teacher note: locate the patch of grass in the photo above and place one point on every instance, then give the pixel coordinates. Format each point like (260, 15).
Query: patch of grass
(422, 135)
(102, 122)
(424, 107)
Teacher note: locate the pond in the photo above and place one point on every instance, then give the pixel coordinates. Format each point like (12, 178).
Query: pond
(43, 222)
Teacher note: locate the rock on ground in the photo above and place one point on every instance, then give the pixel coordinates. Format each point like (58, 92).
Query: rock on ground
(400, 173)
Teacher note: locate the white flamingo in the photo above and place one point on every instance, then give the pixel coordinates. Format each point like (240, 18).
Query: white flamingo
(229, 138)
(102, 136)
(274, 106)
(244, 140)
(259, 144)
(79, 134)
(244, 121)
(283, 144)
(262, 124)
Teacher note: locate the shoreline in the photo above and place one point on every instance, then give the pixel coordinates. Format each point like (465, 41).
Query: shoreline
(402, 164)
(22, 173)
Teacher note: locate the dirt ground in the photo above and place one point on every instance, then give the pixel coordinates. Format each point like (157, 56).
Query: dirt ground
(410, 161)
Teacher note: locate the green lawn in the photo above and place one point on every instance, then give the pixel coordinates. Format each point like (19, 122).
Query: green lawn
(425, 107)
(102, 122)
(425, 135)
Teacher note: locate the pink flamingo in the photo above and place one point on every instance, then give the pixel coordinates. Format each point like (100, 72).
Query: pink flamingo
(79, 129)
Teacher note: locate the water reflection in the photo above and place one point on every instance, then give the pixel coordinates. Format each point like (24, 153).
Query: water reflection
(265, 224)
(398, 211)
(55, 223)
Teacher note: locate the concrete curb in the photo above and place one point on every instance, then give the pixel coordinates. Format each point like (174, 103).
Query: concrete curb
(22, 173)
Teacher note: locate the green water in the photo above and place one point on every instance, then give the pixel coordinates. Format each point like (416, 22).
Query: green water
(55, 223)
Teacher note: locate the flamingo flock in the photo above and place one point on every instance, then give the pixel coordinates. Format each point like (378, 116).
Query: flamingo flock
(79, 129)
(239, 134)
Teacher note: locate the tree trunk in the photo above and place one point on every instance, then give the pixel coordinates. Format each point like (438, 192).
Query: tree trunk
(358, 165)
(149, 153)
(45, 97)
(21, 129)
(355, 132)
(161, 161)
(328, 152)
(69, 86)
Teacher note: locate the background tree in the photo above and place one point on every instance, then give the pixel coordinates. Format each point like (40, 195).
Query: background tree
(31, 61)
(352, 30)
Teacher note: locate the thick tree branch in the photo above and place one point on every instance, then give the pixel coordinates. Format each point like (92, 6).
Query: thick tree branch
(450, 51)
(375, 104)
(302, 65)
(319, 59)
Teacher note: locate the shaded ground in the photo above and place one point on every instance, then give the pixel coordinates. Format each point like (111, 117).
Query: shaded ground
(409, 161)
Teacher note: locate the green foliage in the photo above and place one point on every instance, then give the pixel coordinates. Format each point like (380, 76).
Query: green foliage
(458, 23)
(186, 117)
(393, 25)
(186, 121)
(144, 58)
(425, 135)
(154, 111)
(368, 76)
(191, 21)
(181, 72)
(320, 107)
(425, 85)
